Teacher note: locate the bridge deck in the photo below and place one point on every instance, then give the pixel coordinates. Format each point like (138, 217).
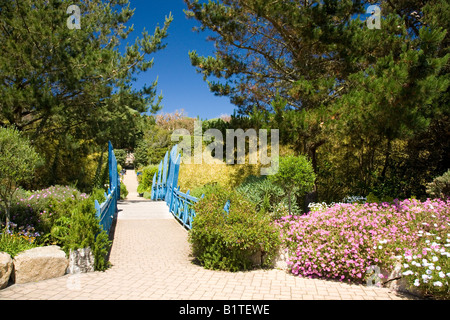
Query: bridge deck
(151, 259)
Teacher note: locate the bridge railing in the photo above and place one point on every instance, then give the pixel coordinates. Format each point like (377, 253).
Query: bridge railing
(182, 207)
(107, 211)
(165, 187)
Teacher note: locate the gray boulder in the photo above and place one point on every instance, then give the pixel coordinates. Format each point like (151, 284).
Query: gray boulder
(81, 261)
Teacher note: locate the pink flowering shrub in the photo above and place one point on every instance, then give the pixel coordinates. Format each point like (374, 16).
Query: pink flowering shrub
(41, 208)
(342, 242)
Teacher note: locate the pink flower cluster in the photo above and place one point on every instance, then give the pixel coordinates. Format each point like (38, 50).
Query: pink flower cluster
(344, 241)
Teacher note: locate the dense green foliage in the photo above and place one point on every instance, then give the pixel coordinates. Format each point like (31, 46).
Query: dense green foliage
(145, 179)
(18, 160)
(58, 215)
(80, 228)
(440, 186)
(369, 107)
(227, 241)
(70, 90)
(295, 175)
(267, 196)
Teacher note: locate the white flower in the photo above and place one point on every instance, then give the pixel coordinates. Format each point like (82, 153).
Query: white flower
(438, 268)
(438, 238)
(448, 274)
(424, 277)
(407, 273)
(435, 259)
(431, 267)
(428, 271)
(437, 284)
(441, 274)
(380, 247)
(417, 282)
(427, 241)
(405, 265)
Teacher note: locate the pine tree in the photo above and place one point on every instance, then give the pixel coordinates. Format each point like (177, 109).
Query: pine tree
(70, 89)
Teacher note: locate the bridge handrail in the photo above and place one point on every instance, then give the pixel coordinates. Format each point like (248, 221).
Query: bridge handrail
(107, 210)
(182, 207)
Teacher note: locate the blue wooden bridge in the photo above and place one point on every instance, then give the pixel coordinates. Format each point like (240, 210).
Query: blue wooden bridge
(164, 188)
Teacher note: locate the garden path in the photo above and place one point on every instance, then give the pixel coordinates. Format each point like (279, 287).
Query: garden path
(151, 260)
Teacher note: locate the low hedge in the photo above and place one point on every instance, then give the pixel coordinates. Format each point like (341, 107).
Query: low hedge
(227, 241)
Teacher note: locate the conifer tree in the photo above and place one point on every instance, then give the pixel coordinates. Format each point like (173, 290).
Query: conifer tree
(66, 77)
(344, 86)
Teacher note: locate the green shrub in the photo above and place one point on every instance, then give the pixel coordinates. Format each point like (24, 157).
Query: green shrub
(145, 182)
(121, 157)
(372, 198)
(123, 191)
(99, 195)
(204, 190)
(18, 160)
(266, 195)
(295, 175)
(222, 241)
(440, 186)
(80, 229)
(62, 216)
(147, 195)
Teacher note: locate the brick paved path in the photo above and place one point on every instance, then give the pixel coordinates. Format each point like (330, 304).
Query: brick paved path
(151, 259)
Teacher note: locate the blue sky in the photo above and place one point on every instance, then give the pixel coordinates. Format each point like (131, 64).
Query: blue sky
(180, 84)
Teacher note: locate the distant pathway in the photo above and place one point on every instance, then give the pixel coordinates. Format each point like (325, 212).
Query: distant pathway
(151, 259)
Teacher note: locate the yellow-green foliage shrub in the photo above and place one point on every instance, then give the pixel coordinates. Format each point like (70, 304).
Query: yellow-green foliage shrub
(192, 176)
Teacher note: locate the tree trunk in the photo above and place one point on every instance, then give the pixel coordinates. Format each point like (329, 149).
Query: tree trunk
(7, 213)
(310, 197)
(313, 195)
(289, 201)
(386, 159)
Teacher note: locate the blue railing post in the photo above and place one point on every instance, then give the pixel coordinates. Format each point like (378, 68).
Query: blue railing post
(164, 177)
(154, 187)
